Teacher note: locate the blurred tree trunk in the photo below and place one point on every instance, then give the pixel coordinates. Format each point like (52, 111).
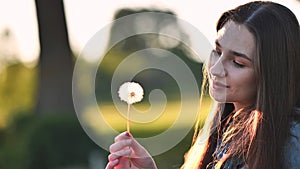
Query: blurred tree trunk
(56, 62)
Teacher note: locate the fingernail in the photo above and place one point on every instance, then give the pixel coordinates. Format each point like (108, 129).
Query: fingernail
(127, 134)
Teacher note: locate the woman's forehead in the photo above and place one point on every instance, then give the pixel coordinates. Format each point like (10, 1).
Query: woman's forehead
(236, 37)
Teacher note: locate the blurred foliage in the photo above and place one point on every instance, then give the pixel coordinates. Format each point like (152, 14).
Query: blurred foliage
(46, 142)
(174, 158)
(18, 85)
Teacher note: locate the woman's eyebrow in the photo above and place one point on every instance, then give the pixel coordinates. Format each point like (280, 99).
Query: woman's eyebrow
(240, 55)
(234, 52)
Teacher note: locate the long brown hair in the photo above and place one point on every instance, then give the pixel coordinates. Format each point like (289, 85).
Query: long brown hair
(257, 134)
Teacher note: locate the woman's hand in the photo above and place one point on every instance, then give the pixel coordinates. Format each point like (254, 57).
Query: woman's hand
(127, 153)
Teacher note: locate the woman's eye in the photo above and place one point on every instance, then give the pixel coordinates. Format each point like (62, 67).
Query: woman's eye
(237, 64)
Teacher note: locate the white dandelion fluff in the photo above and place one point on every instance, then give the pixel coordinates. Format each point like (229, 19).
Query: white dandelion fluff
(131, 92)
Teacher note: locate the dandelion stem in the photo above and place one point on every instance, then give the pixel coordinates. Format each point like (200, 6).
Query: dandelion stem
(128, 118)
(128, 128)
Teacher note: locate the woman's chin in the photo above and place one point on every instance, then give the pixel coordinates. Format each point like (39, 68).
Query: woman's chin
(217, 96)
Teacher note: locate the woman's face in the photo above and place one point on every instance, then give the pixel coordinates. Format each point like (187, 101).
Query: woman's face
(231, 71)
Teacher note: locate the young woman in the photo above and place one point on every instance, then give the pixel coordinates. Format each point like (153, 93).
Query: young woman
(254, 76)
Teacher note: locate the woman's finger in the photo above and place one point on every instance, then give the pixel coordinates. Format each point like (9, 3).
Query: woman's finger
(118, 154)
(122, 136)
(124, 140)
(120, 145)
(112, 164)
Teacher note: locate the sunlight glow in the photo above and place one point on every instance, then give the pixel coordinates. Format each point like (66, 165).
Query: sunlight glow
(85, 18)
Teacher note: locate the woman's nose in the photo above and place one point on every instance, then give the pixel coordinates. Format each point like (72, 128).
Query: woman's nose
(218, 69)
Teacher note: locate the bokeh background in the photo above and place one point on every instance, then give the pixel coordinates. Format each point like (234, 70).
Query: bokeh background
(39, 43)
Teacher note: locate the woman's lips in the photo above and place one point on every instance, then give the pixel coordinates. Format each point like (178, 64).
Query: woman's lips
(219, 85)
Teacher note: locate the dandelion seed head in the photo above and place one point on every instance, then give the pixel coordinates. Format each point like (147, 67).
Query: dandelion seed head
(131, 92)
